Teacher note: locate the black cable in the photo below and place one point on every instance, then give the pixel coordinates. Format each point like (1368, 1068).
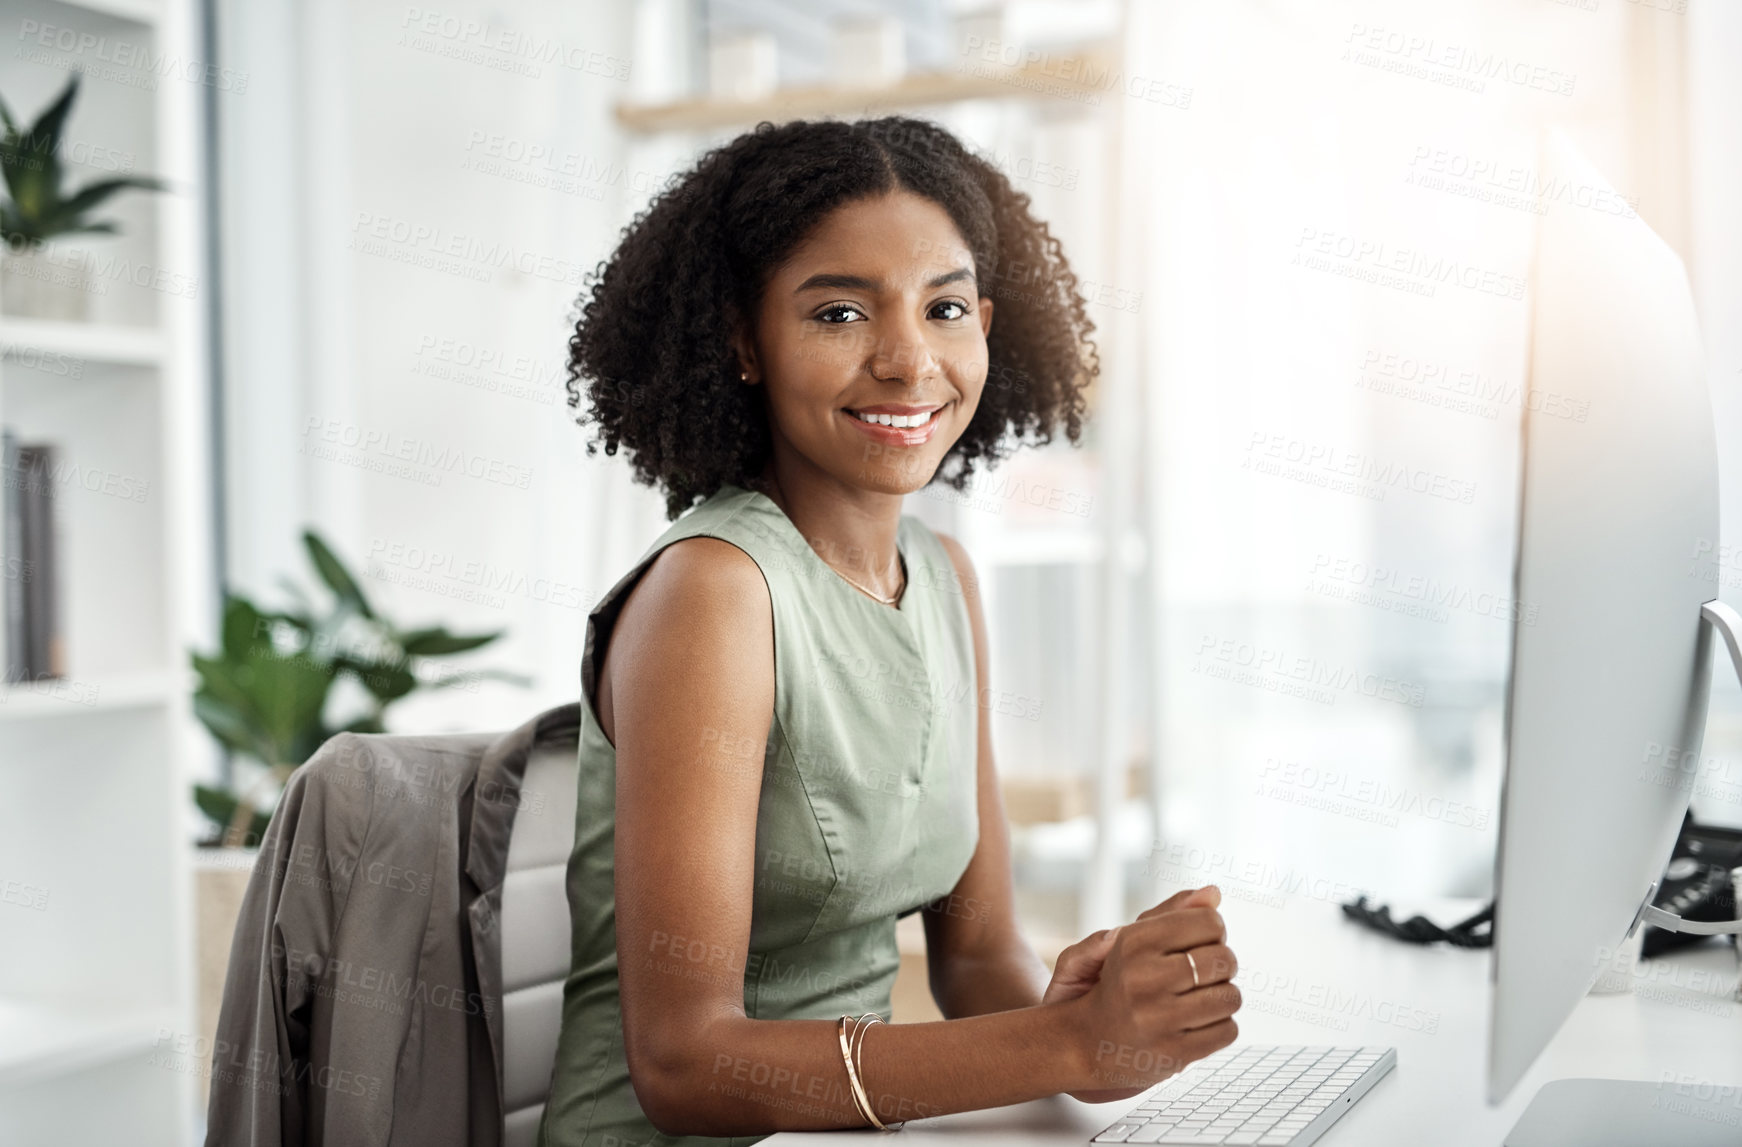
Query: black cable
(1476, 932)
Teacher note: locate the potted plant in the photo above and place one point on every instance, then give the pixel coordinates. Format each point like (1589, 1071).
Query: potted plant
(34, 281)
(268, 693)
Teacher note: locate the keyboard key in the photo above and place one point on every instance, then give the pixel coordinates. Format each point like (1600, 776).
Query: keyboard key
(1249, 1097)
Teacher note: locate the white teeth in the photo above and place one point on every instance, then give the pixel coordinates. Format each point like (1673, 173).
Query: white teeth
(898, 420)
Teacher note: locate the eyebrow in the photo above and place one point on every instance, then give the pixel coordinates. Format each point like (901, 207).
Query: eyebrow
(860, 283)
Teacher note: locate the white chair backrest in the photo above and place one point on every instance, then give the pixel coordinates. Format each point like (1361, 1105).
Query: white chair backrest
(535, 935)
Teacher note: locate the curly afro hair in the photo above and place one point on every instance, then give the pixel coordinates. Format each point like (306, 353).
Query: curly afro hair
(653, 340)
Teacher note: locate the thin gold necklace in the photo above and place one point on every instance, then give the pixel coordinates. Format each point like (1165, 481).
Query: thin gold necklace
(876, 596)
(757, 484)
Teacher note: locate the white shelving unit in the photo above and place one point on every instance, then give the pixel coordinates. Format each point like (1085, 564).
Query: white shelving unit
(95, 821)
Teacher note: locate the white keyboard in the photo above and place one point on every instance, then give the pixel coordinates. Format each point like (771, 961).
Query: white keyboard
(1269, 1096)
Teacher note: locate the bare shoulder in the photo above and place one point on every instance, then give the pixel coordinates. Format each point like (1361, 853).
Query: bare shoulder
(697, 627)
(700, 582)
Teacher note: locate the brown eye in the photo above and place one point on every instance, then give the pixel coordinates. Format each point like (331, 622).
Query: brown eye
(837, 309)
(959, 308)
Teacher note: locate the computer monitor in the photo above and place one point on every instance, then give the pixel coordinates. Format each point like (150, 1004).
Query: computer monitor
(1617, 541)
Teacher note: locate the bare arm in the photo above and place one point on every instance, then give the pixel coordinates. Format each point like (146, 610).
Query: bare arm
(687, 694)
(977, 959)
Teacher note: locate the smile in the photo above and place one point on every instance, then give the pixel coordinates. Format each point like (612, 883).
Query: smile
(897, 425)
(903, 421)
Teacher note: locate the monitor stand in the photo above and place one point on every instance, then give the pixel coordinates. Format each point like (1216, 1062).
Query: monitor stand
(1629, 1112)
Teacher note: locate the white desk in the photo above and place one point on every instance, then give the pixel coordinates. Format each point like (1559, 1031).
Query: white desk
(1310, 977)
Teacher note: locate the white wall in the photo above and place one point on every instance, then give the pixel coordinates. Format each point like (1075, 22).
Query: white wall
(400, 284)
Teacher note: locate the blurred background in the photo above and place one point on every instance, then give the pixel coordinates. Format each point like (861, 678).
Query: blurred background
(288, 449)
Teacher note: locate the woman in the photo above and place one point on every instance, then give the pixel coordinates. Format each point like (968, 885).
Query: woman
(781, 751)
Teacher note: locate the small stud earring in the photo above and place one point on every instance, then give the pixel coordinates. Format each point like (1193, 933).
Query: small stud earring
(745, 375)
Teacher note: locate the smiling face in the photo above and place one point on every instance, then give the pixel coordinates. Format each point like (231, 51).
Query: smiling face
(871, 344)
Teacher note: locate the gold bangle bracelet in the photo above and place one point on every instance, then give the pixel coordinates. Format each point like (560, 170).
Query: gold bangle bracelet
(860, 1102)
(858, 1042)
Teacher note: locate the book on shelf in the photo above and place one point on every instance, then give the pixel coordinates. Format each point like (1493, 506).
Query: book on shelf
(35, 648)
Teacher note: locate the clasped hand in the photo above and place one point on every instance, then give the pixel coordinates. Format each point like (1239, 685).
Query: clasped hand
(1149, 997)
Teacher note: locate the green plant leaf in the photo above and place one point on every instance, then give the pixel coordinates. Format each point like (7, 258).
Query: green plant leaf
(334, 573)
(289, 694)
(385, 680)
(33, 171)
(436, 641)
(227, 723)
(104, 228)
(48, 125)
(506, 675)
(299, 622)
(244, 628)
(30, 163)
(224, 681)
(99, 191)
(220, 806)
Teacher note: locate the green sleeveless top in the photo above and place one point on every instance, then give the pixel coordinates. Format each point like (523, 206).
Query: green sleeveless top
(867, 808)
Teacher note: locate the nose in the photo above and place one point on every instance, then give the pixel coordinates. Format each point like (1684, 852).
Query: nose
(901, 353)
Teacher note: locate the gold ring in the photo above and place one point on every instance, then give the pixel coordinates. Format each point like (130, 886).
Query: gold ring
(1194, 965)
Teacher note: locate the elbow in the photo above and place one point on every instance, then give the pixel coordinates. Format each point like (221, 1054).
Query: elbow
(670, 1088)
